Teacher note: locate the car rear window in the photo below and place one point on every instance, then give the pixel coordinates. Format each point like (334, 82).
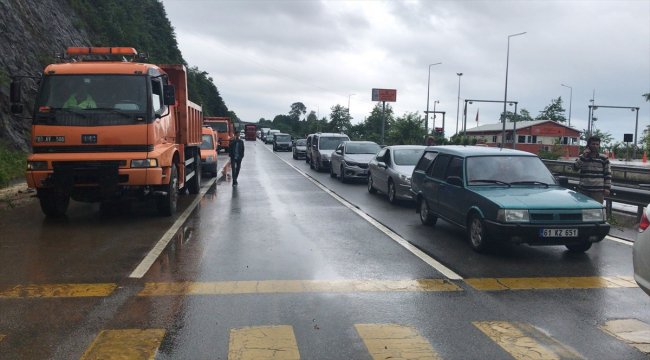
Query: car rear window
(406, 157)
(362, 148)
(330, 143)
(426, 160)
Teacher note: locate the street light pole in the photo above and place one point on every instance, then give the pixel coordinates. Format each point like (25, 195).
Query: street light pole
(458, 101)
(426, 114)
(505, 96)
(349, 105)
(570, 101)
(434, 114)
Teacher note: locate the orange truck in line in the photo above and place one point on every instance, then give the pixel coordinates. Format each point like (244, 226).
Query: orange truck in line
(224, 128)
(106, 128)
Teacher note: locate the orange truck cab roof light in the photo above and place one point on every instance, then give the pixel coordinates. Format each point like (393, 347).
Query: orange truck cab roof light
(102, 51)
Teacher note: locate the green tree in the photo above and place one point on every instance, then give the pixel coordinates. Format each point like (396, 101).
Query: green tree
(372, 124)
(522, 115)
(297, 110)
(605, 137)
(554, 111)
(407, 130)
(339, 119)
(647, 96)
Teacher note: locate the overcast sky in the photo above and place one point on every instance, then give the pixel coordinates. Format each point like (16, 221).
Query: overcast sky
(265, 55)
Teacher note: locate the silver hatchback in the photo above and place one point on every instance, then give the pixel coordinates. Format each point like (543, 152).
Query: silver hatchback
(390, 171)
(641, 253)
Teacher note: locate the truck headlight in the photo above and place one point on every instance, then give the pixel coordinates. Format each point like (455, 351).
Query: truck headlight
(37, 165)
(511, 215)
(144, 163)
(593, 215)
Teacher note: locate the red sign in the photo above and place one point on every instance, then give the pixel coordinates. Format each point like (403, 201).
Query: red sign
(384, 95)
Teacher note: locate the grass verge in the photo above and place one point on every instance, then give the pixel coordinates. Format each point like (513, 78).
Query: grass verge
(12, 164)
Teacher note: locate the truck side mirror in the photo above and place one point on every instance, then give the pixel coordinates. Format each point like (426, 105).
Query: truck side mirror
(14, 92)
(169, 95)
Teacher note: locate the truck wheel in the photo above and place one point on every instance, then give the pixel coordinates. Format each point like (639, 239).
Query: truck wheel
(194, 185)
(52, 203)
(167, 203)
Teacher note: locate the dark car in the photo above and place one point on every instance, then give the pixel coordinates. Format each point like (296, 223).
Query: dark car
(390, 171)
(503, 195)
(299, 149)
(281, 142)
(350, 159)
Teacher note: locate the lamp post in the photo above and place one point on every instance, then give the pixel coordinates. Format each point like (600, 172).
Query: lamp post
(434, 114)
(505, 96)
(570, 100)
(458, 101)
(426, 114)
(349, 105)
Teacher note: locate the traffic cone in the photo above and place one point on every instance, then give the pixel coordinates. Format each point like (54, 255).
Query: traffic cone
(645, 157)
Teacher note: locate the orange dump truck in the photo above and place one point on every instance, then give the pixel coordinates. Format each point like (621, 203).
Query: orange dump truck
(106, 128)
(224, 128)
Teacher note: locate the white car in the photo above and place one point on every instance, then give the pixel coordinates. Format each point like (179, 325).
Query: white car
(641, 253)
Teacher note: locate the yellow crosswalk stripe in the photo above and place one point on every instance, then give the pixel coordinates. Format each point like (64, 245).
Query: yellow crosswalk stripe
(575, 282)
(263, 342)
(125, 344)
(525, 342)
(58, 290)
(296, 286)
(632, 331)
(392, 341)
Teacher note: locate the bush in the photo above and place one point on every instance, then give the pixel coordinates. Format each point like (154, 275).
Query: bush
(12, 164)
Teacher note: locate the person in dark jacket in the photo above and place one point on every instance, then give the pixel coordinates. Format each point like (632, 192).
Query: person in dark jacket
(236, 155)
(595, 172)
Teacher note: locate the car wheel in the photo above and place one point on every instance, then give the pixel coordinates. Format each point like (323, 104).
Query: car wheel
(332, 173)
(392, 197)
(476, 233)
(426, 217)
(311, 164)
(579, 248)
(317, 165)
(371, 187)
(342, 176)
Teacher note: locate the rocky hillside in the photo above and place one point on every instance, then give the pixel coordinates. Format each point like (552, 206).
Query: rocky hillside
(31, 31)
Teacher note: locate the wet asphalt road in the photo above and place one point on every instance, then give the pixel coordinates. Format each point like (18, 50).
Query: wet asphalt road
(277, 251)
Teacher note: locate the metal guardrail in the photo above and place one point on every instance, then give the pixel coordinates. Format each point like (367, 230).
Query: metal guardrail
(630, 185)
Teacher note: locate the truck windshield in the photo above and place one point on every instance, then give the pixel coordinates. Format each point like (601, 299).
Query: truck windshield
(221, 127)
(95, 99)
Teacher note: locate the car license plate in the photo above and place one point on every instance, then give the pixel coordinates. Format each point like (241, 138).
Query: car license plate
(558, 232)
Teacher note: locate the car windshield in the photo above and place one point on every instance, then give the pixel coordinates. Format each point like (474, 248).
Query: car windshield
(362, 148)
(330, 143)
(407, 157)
(301, 142)
(482, 170)
(221, 127)
(283, 138)
(207, 142)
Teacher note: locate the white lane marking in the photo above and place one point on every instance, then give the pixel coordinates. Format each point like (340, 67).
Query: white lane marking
(620, 241)
(450, 274)
(154, 253)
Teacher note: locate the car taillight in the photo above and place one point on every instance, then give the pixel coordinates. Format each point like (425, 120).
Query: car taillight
(644, 222)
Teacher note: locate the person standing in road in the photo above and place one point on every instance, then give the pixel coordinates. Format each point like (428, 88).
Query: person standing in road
(236, 155)
(595, 172)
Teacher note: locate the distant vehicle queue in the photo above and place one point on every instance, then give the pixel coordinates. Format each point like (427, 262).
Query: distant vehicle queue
(494, 195)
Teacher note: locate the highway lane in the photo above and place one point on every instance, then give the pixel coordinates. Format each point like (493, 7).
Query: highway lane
(276, 265)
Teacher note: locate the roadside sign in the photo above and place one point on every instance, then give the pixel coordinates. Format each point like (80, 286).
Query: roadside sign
(389, 95)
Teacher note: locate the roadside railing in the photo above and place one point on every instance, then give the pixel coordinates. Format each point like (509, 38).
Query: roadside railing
(630, 185)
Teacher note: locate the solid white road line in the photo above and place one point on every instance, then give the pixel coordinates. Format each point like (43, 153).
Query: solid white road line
(153, 254)
(450, 274)
(620, 241)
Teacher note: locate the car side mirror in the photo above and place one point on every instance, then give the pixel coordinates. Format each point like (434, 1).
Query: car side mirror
(339, 151)
(382, 165)
(563, 181)
(455, 180)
